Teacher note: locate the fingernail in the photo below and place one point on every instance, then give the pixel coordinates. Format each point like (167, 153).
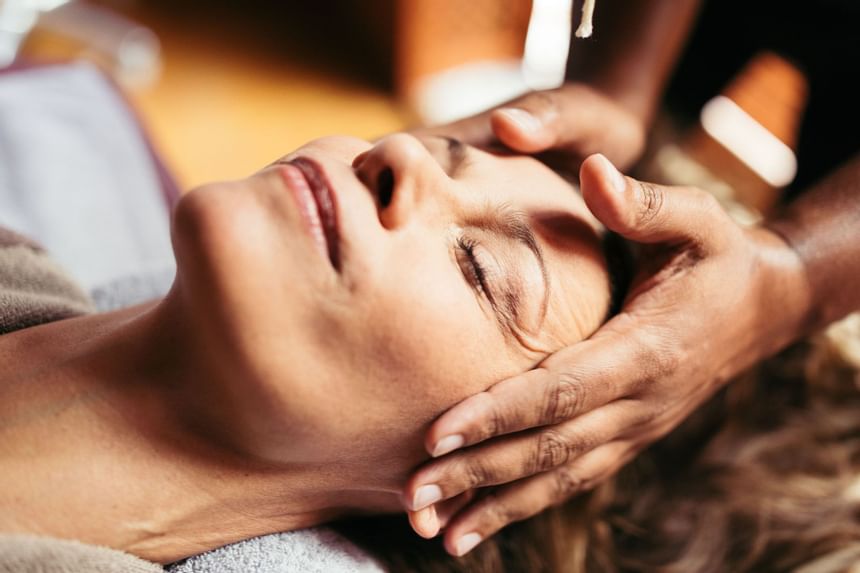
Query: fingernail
(619, 183)
(522, 119)
(448, 444)
(466, 543)
(428, 521)
(426, 495)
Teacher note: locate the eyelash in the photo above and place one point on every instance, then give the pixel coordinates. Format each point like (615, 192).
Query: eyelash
(478, 274)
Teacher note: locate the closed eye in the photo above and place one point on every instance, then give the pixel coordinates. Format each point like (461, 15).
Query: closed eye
(476, 273)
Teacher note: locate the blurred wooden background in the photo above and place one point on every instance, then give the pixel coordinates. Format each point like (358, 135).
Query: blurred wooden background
(244, 83)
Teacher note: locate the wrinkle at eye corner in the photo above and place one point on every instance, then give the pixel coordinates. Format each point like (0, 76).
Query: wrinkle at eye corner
(504, 316)
(530, 342)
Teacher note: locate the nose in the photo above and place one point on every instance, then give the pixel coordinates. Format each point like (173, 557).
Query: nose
(402, 175)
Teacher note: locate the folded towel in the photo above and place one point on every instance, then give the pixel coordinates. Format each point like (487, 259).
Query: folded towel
(31, 554)
(317, 550)
(33, 288)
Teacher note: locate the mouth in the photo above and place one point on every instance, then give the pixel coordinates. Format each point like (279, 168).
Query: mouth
(317, 203)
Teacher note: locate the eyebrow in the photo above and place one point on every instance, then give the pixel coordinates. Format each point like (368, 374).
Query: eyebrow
(509, 224)
(513, 225)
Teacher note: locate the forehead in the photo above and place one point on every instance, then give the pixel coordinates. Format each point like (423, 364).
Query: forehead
(526, 184)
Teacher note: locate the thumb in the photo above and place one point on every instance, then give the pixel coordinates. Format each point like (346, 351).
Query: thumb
(541, 120)
(645, 212)
(524, 130)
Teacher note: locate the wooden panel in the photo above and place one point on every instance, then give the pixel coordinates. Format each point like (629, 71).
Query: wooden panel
(231, 98)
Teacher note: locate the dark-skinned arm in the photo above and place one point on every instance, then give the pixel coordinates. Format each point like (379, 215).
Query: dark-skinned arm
(614, 82)
(823, 227)
(633, 51)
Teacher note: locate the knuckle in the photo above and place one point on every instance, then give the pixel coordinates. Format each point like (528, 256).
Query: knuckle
(493, 420)
(501, 512)
(566, 484)
(669, 360)
(645, 419)
(665, 357)
(657, 359)
(495, 423)
(476, 474)
(642, 420)
(564, 399)
(650, 204)
(552, 451)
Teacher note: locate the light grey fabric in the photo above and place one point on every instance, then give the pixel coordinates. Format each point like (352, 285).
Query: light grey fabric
(318, 550)
(132, 289)
(77, 175)
(31, 554)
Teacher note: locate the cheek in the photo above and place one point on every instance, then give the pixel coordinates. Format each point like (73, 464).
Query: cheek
(426, 339)
(411, 342)
(406, 343)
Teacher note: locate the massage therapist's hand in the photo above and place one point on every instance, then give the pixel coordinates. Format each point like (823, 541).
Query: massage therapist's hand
(710, 298)
(571, 122)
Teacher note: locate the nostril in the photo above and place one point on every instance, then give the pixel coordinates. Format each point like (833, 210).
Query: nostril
(385, 187)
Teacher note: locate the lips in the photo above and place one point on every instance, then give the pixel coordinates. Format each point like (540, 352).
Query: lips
(317, 202)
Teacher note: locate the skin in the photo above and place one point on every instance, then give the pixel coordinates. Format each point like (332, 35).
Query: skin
(272, 390)
(710, 300)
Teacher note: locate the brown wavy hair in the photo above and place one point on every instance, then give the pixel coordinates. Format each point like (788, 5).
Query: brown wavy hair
(764, 477)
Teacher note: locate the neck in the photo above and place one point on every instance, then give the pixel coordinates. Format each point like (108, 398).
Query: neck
(92, 427)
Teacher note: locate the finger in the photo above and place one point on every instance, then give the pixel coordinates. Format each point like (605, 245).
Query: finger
(645, 212)
(475, 130)
(447, 509)
(526, 498)
(528, 124)
(424, 522)
(572, 117)
(576, 379)
(520, 455)
(429, 520)
(522, 129)
(543, 120)
(561, 118)
(569, 118)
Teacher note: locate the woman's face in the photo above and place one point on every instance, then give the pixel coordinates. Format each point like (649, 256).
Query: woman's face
(435, 270)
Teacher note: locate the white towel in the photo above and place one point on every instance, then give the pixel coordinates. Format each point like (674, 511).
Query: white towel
(317, 550)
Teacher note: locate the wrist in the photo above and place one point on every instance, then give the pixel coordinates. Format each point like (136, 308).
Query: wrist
(783, 292)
